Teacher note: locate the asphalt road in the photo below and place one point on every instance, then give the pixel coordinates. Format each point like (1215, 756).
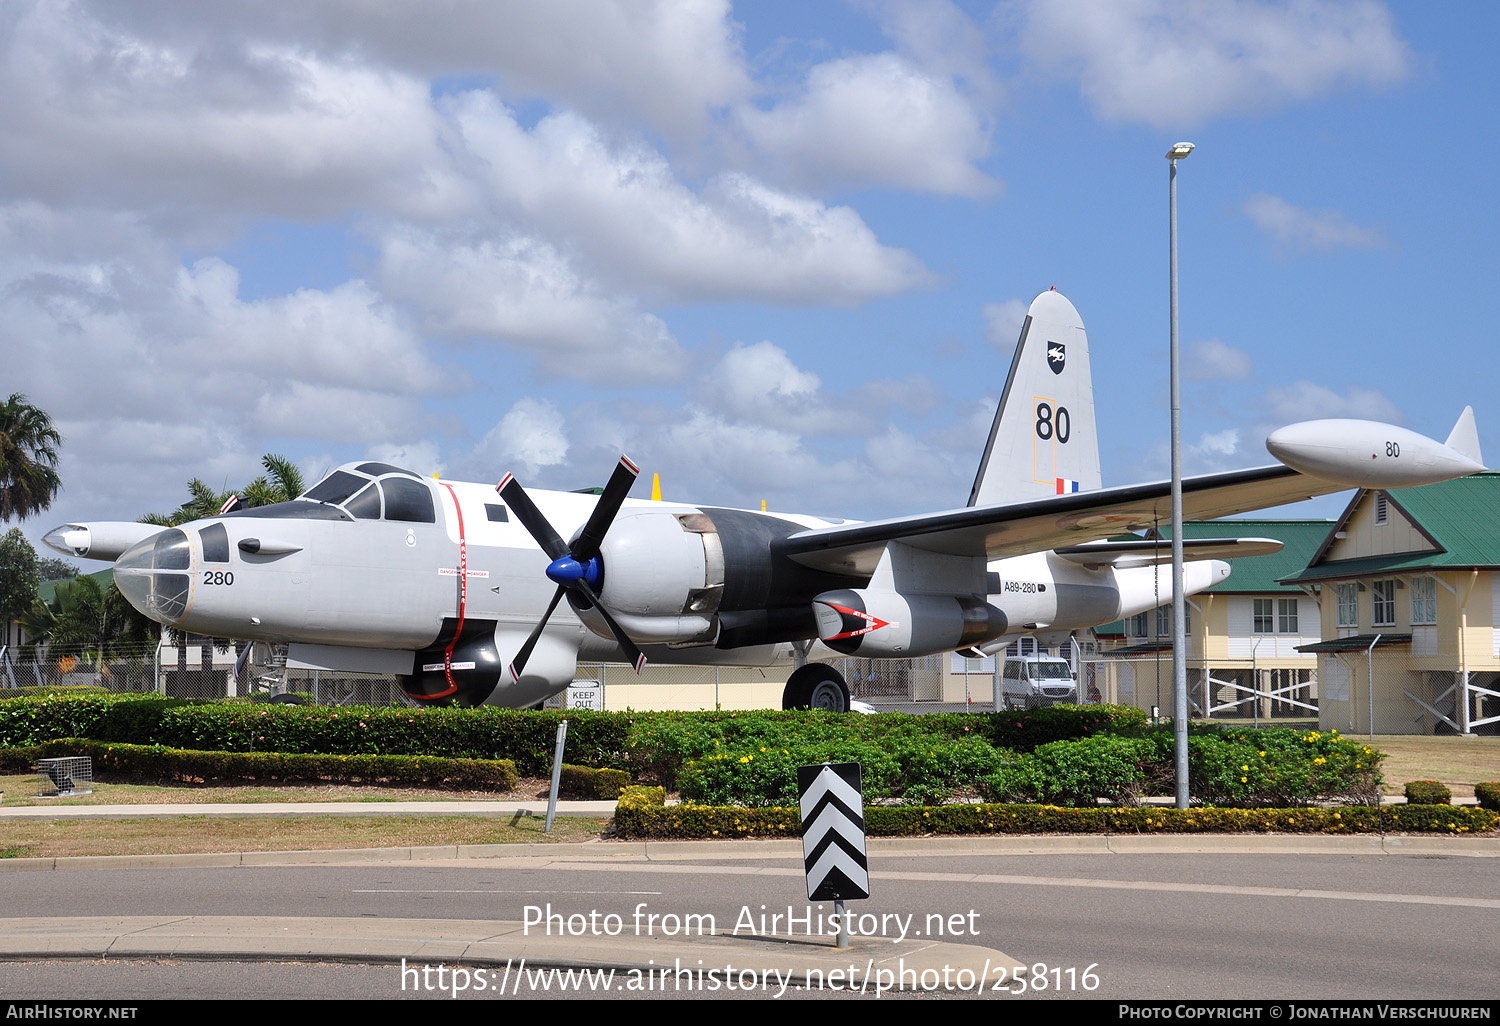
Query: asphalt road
(1164, 925)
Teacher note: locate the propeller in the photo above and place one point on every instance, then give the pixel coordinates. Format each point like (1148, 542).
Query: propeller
(574, 567)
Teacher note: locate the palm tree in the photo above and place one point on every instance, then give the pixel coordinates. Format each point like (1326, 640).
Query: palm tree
(283, 484)
(28, 459)
(95, 618)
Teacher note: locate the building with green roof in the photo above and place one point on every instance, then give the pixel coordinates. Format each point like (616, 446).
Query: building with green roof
(1243, 634)
(1411, 602)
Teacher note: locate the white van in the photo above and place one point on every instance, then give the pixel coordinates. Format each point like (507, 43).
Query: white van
(1026, 682)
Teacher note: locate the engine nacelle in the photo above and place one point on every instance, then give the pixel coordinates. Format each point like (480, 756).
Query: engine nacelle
(875, 622)
(663, 575)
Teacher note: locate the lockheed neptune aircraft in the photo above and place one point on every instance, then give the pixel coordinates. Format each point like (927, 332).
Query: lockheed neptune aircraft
(458, 587)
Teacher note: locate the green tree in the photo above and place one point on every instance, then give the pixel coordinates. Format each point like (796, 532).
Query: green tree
(20, 577)
(55, 569)
(28, 459)
(96, 620)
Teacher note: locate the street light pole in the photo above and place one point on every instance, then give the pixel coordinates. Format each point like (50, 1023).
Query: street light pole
(1179, 601)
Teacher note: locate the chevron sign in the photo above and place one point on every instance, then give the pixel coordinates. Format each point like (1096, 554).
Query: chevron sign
(833, 831)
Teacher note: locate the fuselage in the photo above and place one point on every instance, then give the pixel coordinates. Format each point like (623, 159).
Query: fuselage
(398, 563)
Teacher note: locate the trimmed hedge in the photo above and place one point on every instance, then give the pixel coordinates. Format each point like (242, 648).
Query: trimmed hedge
(1428, 792)
(641, 819)
(527, 738)
(1488, 794)
(585, 784)
(158, 762)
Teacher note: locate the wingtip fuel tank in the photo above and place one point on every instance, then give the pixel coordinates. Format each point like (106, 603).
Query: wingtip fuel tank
(98, 540)
(1369, 454)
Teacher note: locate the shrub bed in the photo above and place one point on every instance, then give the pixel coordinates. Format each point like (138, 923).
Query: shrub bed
(1272, 768)
(645, 820)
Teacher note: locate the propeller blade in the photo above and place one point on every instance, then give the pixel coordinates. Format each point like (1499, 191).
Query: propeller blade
(530, 517)
(586, 546)
(634, 654)
(519, 662)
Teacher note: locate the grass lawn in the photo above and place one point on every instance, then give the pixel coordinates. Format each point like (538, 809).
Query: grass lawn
(1459, 762)
(195, 834)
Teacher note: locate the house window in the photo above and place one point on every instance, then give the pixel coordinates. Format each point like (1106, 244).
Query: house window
(1164, 621)
(1265, 622)
(1382, 508)
(1424, 600)
(1138, 625)
(1383, 604)
(1348, 605)
(1286, 616)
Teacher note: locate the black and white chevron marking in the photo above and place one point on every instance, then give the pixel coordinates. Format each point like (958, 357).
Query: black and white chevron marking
(833, 831)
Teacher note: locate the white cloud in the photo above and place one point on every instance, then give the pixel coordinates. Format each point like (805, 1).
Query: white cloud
(1296, 227)
(874, 120)
(940, 37)
(528, 438)
(95, 110)
(668, 63)
(1002, 324)
(1175, 65)
(346, 336)
(750, 379)
(299, 409)
(618, 209)
(1307, 401)
(1212, 360)
(524, 292)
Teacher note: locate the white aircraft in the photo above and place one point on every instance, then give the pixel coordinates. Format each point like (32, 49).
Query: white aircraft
(459, 589)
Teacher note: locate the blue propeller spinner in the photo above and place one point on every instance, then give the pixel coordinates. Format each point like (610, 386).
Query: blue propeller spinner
(574, 567)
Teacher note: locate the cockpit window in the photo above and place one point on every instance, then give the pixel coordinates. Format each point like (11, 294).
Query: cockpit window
(408, 500)
(376, 469)
(215, 543)
(336, 487)
(365, 505)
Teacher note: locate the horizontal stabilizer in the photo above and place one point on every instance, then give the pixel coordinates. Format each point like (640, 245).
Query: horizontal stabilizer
(1149, 551)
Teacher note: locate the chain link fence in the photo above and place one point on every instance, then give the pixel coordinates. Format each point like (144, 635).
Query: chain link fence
(115, 669)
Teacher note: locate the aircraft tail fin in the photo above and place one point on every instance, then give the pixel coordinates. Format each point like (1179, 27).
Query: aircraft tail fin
(1464, 439)
(1043, 440)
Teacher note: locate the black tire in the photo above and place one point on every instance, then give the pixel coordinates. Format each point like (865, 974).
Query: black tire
(816, 686)
(288, 698)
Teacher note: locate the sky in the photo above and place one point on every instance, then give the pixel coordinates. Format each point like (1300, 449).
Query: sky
(773, 251)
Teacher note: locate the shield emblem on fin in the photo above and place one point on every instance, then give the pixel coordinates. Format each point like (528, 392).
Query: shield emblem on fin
(1056, 356)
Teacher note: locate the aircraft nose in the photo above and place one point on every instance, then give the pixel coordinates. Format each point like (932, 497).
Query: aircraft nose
(152, 575)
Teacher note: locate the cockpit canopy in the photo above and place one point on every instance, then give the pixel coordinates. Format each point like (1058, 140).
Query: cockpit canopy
(376, 491)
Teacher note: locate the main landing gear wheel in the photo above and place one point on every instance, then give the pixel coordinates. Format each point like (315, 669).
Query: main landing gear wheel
(816, 686)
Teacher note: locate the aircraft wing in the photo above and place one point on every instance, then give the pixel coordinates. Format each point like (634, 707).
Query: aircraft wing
(1053, 523)
(1317, 457)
